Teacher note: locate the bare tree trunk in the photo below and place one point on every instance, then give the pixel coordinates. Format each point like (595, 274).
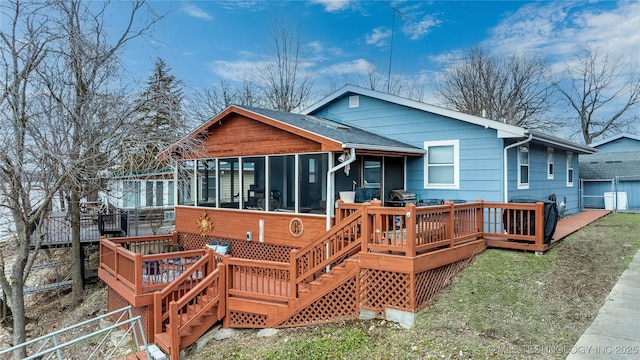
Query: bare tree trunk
(19, 316)
(77, 282)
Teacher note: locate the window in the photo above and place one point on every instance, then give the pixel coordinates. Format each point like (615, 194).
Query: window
(159, 193)
(442, 165)
(523, 167)
(184, 181)
(254, 179)
(549, 163)
(207, 182)
(569, 169)
(131, 194)
(229, 179)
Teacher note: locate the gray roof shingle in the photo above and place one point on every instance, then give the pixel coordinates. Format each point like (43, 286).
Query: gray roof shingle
(609, 165)
(345, 134)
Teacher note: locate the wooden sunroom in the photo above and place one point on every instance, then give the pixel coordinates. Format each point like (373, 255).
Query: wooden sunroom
(262, 238)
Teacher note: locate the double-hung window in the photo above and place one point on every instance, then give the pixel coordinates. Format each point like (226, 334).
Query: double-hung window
(569, 169)
(442, 164)
(523, 167)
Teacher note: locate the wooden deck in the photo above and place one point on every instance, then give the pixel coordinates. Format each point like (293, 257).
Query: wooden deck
(368, 261)
(572, 223)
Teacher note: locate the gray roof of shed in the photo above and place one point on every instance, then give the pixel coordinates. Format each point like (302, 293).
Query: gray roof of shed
(349, 136)
(602, 166)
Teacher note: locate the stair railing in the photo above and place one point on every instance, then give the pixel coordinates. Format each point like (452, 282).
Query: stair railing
(195, 275)
(331, 248)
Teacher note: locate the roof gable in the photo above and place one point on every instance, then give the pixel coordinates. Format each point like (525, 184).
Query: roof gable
(278, 132)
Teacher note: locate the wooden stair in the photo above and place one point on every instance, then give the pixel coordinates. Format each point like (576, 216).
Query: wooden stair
(278, 313)
(201, 317)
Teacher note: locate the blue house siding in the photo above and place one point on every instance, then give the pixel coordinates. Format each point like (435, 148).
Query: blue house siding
(620, 144)
(616, 167)
(480, 149)
(540, 188)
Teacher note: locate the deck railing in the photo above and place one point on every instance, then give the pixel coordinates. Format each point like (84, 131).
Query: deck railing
(514, 221)
(258, 279)
(401, 231)
(144, 273)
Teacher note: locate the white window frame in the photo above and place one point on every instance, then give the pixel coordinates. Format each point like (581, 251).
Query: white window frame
(522, 185)
(456, 164)
(570, 171)
(550, 167)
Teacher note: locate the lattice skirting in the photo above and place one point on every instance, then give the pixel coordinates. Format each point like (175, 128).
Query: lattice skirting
(339, 304)
(115, 302)
(239, 319)
(240, 248)
(380, 289)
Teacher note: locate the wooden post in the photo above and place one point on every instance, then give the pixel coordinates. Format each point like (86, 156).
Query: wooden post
(227, 285)
(293, 274)
(451, 233)
(539, 214)
(174, 331)
(480, 217)
(365, 227)
(339, 216)
(157, 313)
(222, 290)
(410, 222)
(138, 272)
(378, 226)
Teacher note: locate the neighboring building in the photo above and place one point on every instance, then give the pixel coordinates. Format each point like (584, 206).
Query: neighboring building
(610, 179)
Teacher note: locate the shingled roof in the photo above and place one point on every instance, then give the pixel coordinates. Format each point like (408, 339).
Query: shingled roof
(603, 166)
(349, 136)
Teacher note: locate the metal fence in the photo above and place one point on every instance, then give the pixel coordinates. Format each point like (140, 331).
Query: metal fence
(621, 193)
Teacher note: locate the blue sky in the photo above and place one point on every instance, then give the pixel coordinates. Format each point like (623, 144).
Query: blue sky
(208, 41)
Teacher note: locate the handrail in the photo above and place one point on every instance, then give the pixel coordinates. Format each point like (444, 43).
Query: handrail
(132, 321)
(169, 310)
(329, 248)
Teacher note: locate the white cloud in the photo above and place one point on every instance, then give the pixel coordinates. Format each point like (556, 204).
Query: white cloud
(379, 36)
(196, 12)
(333, 5)
(358, 66)
(557, 31)
(416, 30)
(236, 70)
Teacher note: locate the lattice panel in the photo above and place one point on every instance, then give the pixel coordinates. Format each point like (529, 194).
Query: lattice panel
(247, 320)
(339, 304)
(380, 289)
(115, 302)
(429, 283)
(240, 248)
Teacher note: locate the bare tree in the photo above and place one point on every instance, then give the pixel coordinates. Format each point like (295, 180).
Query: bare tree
(512, 90)
(601, 89)
(284, 82)
(205, 105)
(63, 115)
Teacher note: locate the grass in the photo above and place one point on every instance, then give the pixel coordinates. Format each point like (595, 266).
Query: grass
(506, 304)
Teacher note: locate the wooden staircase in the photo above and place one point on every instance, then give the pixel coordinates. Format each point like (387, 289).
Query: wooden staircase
(310, 296)
(184, 312)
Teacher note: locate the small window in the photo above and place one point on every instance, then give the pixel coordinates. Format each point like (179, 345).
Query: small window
(442, 165)
(523, 167)
(550, 163)
(569, 169)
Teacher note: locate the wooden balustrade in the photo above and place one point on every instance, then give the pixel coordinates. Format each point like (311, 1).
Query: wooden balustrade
(258, 278)
(330, 249)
